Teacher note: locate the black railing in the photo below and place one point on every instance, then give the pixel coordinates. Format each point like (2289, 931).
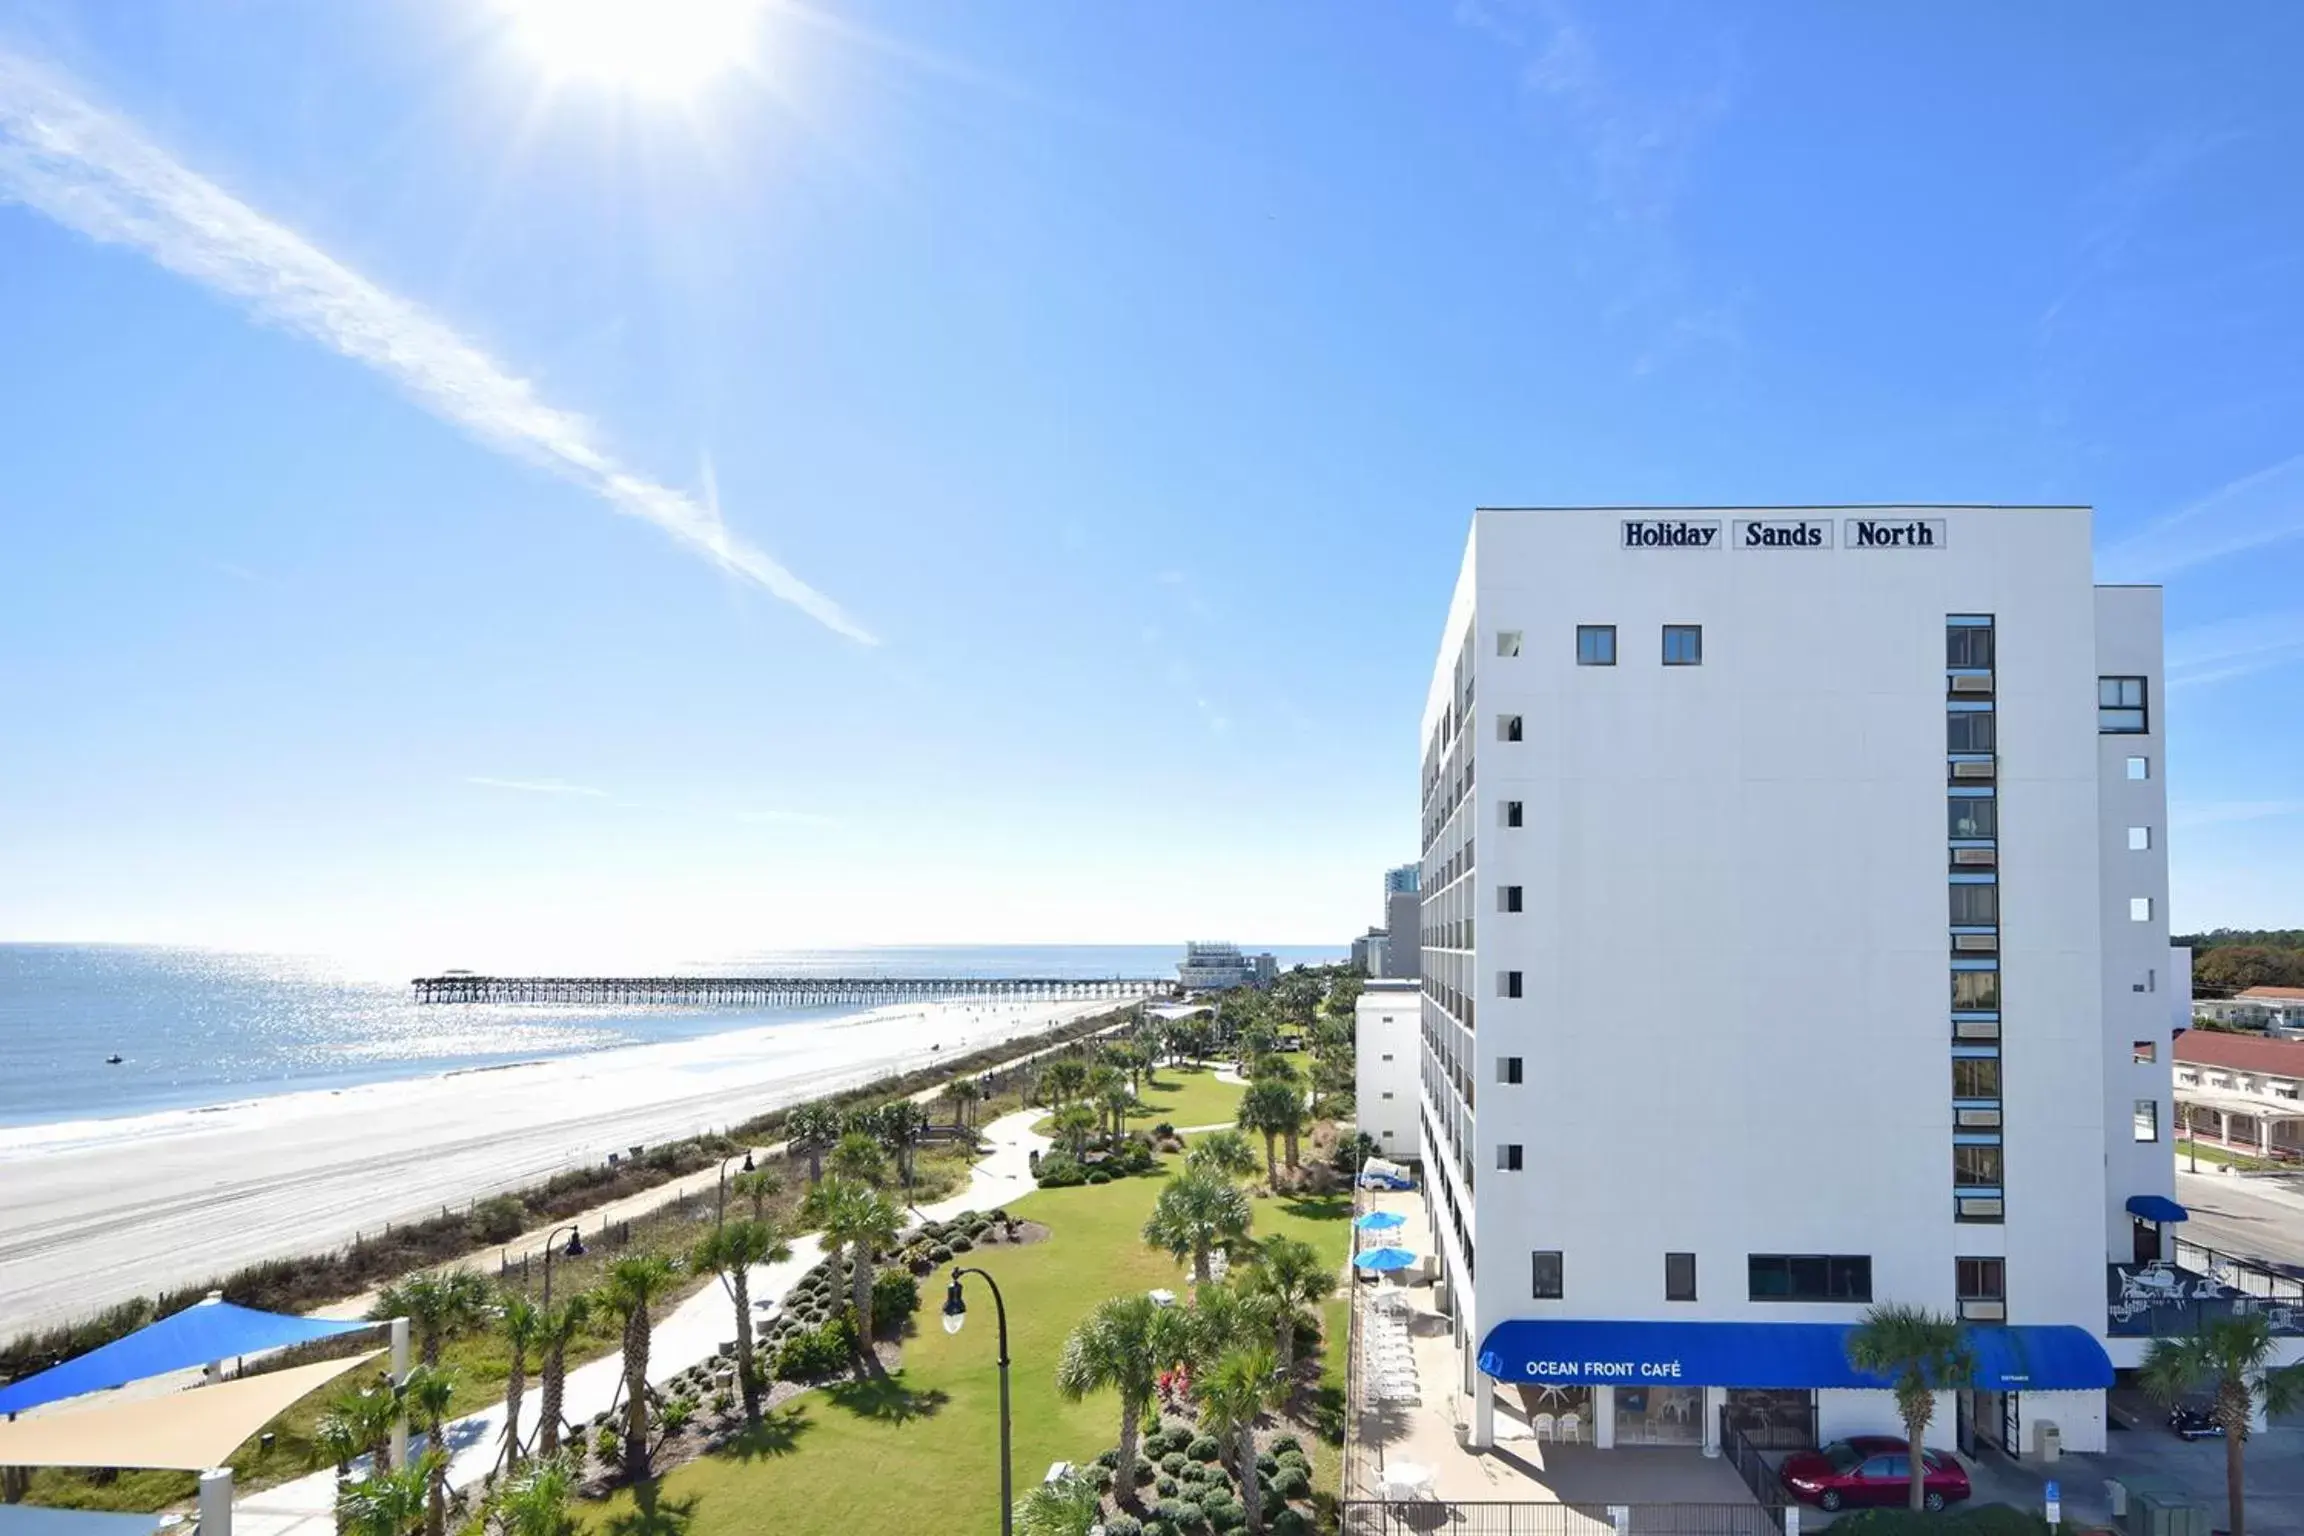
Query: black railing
(1759, 1476)
(2247, 1278)
(1426, 1517)
(2137, 1310)
(1780, 1426)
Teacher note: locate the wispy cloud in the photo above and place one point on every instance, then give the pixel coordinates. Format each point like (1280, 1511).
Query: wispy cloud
(92, 171)
(2215, 813)
(2239, 647)
(2264, 507)
(539, 786)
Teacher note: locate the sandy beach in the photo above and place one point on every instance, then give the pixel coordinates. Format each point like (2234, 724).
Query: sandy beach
(96, 1211)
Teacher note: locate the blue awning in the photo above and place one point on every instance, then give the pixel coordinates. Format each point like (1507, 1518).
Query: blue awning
(208, 1330)
(1563, 1352)
(2156, 1208)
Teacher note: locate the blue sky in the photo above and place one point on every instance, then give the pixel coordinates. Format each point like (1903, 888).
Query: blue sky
(1093, 399)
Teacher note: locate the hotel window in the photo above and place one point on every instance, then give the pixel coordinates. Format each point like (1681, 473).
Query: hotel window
(1683, 645)
(2145, 1052)
(1544, 1276)
(1507, 642)
(2139, 909)
(1512, 813)
(1679, 1277)
(1508, 984)
(1975, 991)
(1968, 730)
(1976, 1077)
(1507, 727)
(1810, 1277)
(1508, 898)
(1976, 1167)
(1595, 645)
(1974, 905)
(1508, 1157)
(1973, 816)
(1969, 644)
(2139, 839)
(2120, 706)
(1982, 1281)
(1508, 1069)
(2139, 768)
(2147, 1119)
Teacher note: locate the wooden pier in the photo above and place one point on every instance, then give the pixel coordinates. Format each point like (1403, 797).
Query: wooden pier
(779, 991)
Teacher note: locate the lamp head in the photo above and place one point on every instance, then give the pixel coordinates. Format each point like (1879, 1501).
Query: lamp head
(575, 1248)
(955, 1306)
(747, 1162)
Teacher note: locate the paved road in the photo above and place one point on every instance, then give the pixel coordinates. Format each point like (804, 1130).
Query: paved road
(2243, 1218)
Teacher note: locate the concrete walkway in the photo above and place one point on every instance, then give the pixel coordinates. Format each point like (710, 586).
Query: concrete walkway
(693, 1331)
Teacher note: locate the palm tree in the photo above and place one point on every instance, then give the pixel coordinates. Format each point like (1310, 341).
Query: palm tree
(1924, 1353)
(358, 1423)
(730, 1252)
(1225, 1153)
(1124, 1345)
(1195, 1213)
(1116, 1099)
(1233, 1393)
(858, 1159)
(1066, 1507)
(759, 1186)
(960, 1093)
(427, 1393)
(899, 1124)
(556, 1327)
(534, 1500)
(634, 1284)
(1225, 1318)
(812, 1128)
(1270, 1107)
(2230, 1357)
(521, 1324)
(1256, 1039)
(389, 1503)
(861, 1220)
(437, 1306)
(1074, 1125)
(1294, 1276)
(1061, 1081)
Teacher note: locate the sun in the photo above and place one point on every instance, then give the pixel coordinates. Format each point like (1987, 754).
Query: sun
(650, 47)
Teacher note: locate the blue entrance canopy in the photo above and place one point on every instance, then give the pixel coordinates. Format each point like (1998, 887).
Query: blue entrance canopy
(2156, 1208)
(209, 1330)
(1379, 1219)
(1563, 1352)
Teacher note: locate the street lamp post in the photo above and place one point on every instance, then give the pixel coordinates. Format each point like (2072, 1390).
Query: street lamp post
(574, 1250)
(720, 1215)
(955, 1314)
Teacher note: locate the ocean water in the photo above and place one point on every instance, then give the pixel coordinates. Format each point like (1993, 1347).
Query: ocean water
(200, 1027)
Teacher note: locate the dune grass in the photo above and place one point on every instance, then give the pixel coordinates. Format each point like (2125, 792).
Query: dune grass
(920, 1451)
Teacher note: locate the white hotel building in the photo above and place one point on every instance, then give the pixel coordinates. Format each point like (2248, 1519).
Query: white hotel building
(1794, 924)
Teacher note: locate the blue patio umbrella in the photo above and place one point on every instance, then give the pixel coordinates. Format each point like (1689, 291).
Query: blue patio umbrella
(1376, 1220)
(1384, 1259)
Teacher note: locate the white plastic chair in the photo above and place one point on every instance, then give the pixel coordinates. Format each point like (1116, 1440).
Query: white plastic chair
(1571, 1429)
(1541, 1426)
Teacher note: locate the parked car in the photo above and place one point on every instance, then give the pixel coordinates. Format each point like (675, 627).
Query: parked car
(1871, 1469)
(2191, 1421)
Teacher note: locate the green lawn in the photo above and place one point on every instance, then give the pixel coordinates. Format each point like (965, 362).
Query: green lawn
(1179, 1096)
(2209, 1152)
(921, 1452)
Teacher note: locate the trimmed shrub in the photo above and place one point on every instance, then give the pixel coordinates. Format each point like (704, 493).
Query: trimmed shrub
(1099, 1176)
(497, 1220)
(1202, 1448)
(1060, 1170)
(607, 1444)
(1266, 1462)
(816, 1353)
(1100, 1478)
(1291, 1484)
(1173, 1463)
(1144, 1471)
(962, 1242)
(1165, 1486)
(1172, 1511)
(1230, 1515)
(1123, 1525)
(939, 1254)
(1108, 1457)
(1282, 1444)
(895, 1296)
(1288, 1522)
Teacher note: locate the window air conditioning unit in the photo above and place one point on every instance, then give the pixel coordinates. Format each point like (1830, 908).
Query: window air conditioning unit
(1977, 1119)
(1976, 943)
(1981, 1208)
(1985, 857)
(1983, 1311)
(1972, 684)
(1976, 1029)
(1981, 770)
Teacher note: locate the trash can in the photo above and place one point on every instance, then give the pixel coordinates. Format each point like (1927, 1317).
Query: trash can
(2047, 1440)
(2116, 1495)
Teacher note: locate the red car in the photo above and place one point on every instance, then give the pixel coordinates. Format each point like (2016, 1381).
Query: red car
(1871, 1469)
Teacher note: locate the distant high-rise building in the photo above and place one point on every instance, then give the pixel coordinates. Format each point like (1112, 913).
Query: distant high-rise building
(1403, 940)
(1405, 878)
(1208, 967)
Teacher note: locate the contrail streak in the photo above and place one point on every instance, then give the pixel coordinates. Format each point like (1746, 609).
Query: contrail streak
(92, 172)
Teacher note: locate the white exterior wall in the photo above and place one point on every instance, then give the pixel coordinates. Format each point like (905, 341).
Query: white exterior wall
(2137, 973)
(1385, 1048)
(1768, 831)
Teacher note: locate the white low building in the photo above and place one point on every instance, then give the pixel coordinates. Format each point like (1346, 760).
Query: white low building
(1386, 1023)
(1885, 788)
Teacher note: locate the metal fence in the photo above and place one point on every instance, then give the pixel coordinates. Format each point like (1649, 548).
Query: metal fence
(1782, 1427)
(1425, 1518)
(2241, 1275)
(1759, 1476)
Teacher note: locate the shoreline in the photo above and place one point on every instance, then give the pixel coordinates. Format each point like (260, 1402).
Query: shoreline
(131, 1206)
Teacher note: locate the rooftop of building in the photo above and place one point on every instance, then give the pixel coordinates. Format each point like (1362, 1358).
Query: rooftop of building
(1389, 984)
(2245, 1053)
(2270, 995)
